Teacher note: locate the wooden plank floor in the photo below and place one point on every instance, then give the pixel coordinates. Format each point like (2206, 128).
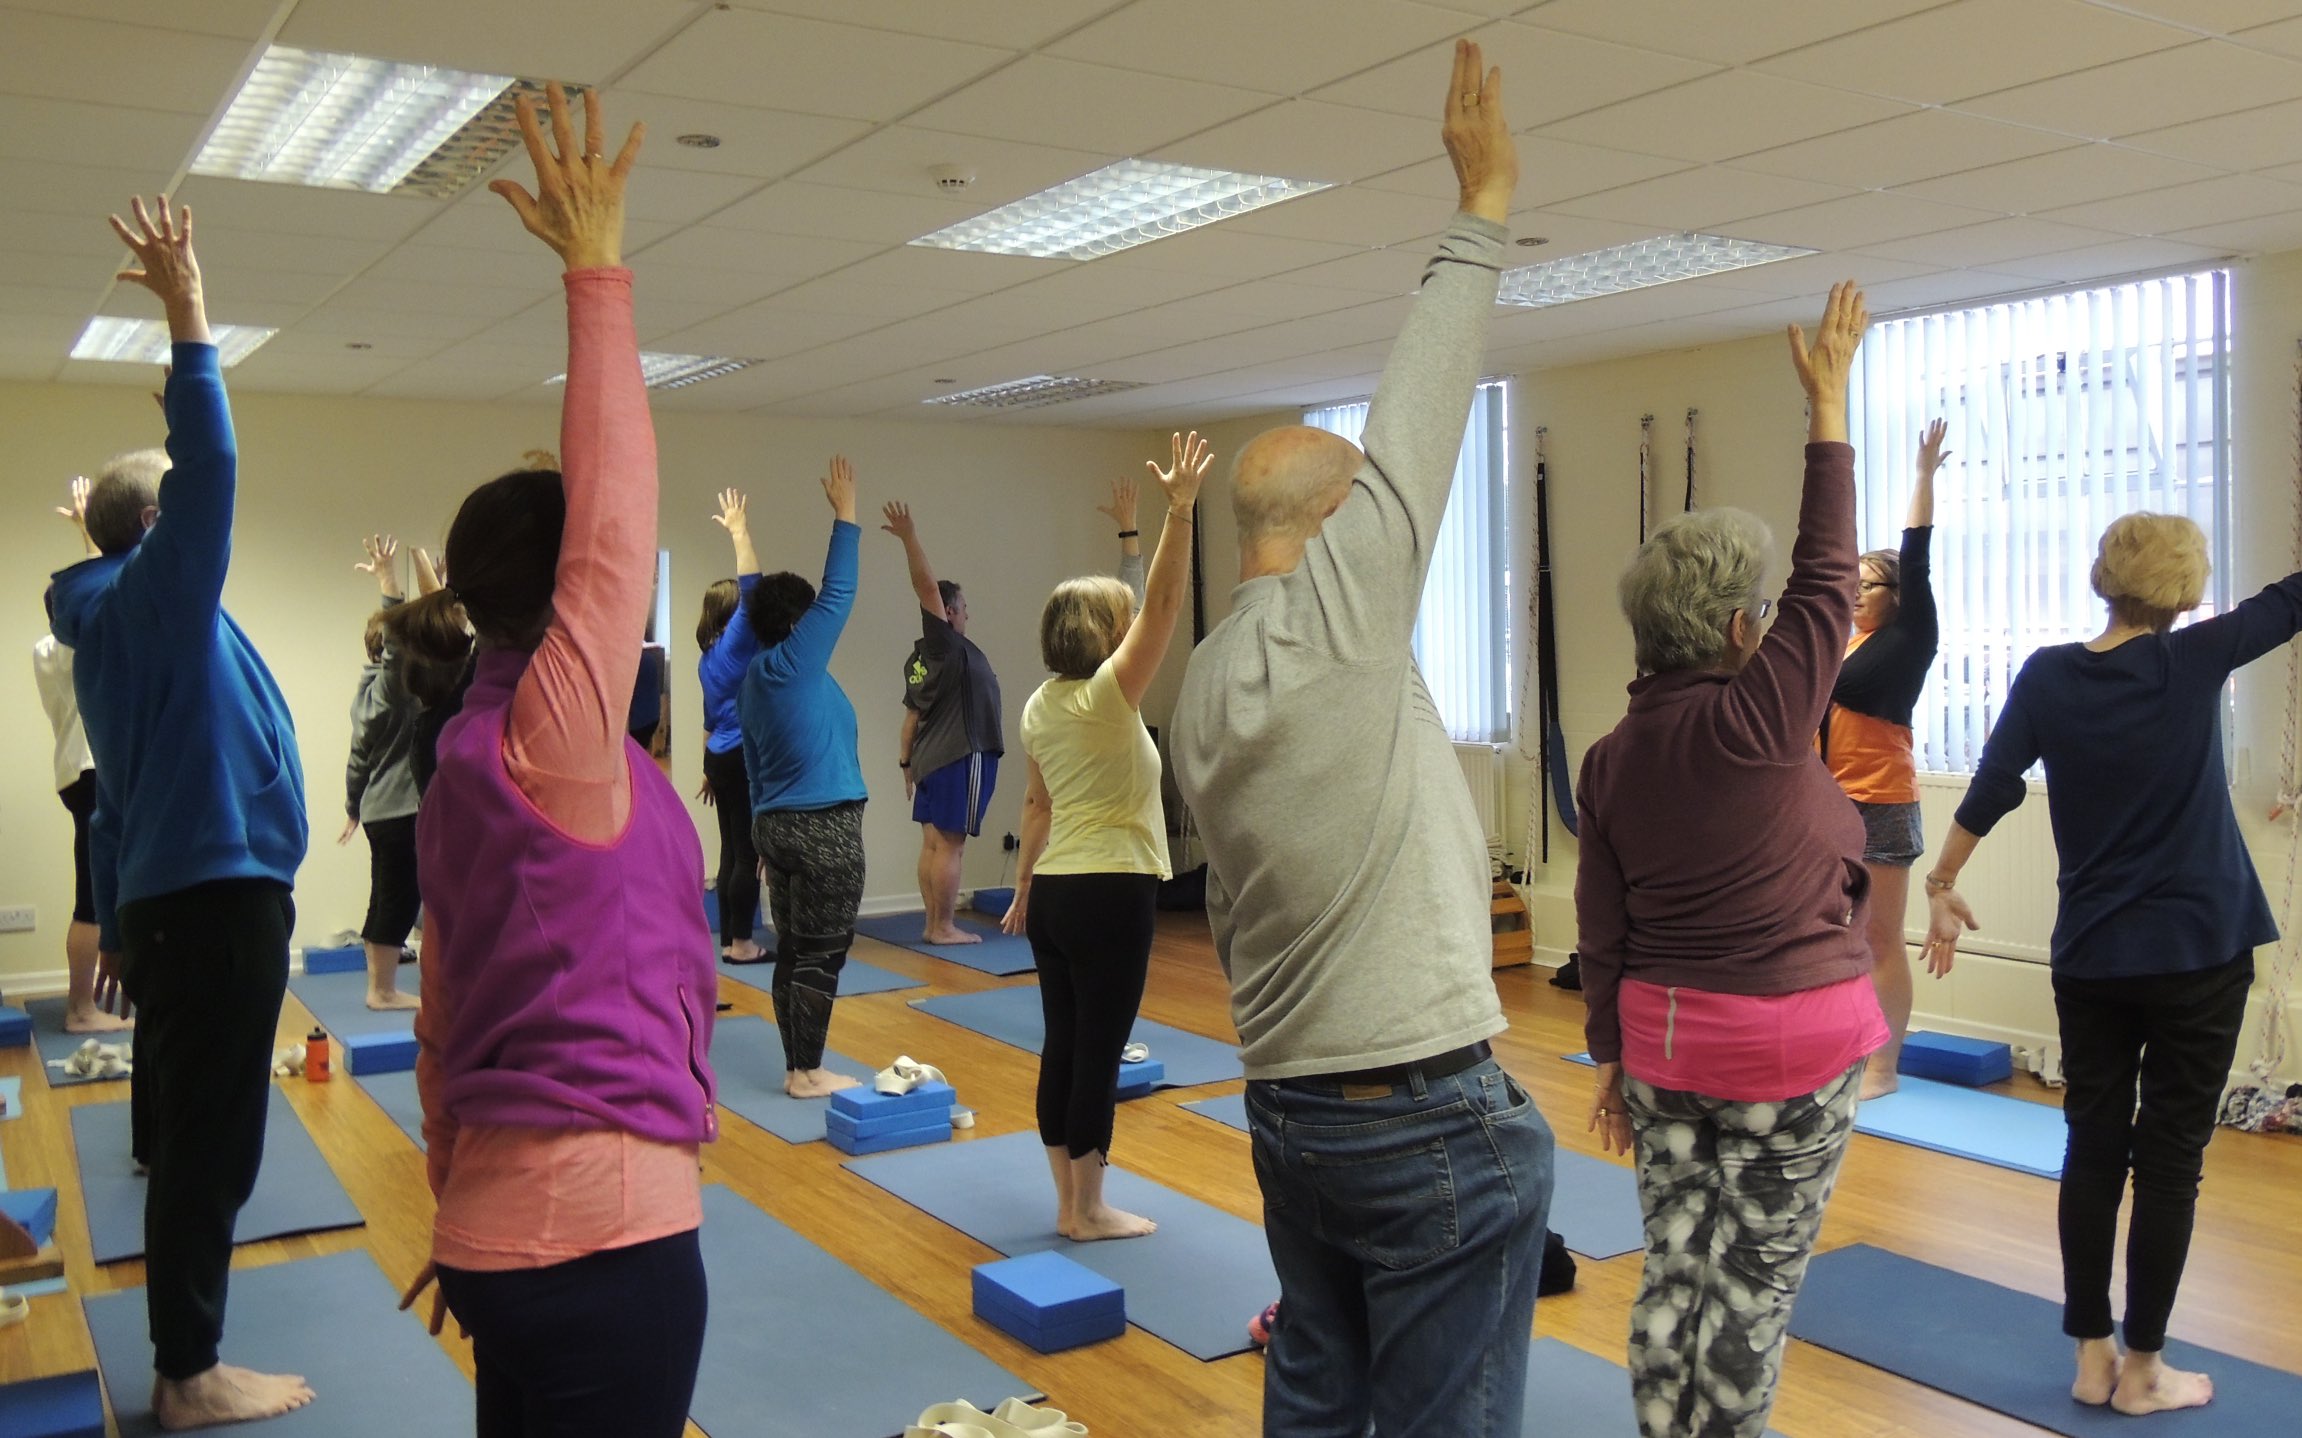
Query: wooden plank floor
(2243, 1294)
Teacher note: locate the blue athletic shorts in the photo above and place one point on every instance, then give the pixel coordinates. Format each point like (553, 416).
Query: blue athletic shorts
(954, 797)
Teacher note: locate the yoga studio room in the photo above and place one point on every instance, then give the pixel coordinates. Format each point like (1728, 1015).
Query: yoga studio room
(1151, 718)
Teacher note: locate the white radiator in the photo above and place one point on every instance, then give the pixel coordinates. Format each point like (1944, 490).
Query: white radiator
(1482, 766)
(2011, 882)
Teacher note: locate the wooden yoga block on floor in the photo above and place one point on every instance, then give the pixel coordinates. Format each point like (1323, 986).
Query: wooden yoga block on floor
(1514, 930)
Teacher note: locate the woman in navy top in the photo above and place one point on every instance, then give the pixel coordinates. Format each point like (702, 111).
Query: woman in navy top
(727, 652)
(2153, 940)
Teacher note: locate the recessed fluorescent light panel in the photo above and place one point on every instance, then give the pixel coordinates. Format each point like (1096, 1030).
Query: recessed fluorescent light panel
(346, 122)
(122, 341)
(1034, 391)
(1662, 260)
(678, 371)
(1115, 208)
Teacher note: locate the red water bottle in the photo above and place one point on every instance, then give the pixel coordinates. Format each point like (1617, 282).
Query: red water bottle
(316, 1056)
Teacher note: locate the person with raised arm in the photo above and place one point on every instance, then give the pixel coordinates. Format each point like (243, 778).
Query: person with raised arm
(564, 1041)
(807, 794)
(1094, 842)
(1406, 1177)
(952, 736)
(728, 647)
(2159, 914)
(1866, 740)
(198, 831)
(380, 787)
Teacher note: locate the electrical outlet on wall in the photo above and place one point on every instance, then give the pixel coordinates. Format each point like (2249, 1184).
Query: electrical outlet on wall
(19, 919)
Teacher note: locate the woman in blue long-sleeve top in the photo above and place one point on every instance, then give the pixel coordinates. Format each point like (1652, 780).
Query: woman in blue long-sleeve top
(728, 649)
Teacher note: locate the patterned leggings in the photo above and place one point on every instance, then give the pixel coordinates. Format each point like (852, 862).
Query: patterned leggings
(1733, 1195)
(814, 861)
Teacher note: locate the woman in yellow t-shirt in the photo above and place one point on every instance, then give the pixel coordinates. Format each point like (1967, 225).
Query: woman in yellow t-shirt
(1095, 843)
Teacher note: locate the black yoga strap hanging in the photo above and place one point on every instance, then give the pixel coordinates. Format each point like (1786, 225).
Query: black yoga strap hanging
(1646, 445)
(1690, 461)
(1557, 784)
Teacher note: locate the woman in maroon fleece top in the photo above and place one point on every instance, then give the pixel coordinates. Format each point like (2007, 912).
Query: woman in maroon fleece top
(1721, 902)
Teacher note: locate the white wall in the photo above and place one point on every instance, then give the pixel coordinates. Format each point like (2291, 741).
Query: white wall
(1006, 511)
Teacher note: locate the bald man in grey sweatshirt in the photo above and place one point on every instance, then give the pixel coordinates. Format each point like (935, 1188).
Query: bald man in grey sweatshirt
(1406, 1178)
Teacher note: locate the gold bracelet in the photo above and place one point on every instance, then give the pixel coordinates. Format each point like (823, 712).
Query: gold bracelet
(1938, 885)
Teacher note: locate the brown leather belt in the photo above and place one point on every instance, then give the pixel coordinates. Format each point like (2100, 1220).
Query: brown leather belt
(1453, 1061)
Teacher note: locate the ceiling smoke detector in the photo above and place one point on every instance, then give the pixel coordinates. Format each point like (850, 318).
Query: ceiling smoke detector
(951, 177)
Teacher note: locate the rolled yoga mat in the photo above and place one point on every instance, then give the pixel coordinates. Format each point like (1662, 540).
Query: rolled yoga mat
(1013, 1016)
(1594, 1204)
(374, 1370)
(747, 1059)
(998, 955)
(859, 1364)
(296, 1191)
(2006, 1351)
(1194, 1283)
(855, 976)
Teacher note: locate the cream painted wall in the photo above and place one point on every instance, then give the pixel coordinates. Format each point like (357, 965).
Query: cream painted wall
(1006, 511)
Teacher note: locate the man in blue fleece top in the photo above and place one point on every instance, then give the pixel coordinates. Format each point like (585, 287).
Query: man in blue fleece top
(198, 830)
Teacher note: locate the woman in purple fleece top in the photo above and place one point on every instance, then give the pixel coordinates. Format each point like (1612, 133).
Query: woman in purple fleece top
(1721, 902)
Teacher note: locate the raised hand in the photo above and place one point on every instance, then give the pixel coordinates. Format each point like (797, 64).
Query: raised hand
(1122, 505)
(731, 516)
(1184, 473)
(1823, 368)
(898, 517)
(1478, 137)
(428, 579)
(577, 208)
(75, 509)
(166, 266)
(383, 562)
(1931, 454)
(839, 488)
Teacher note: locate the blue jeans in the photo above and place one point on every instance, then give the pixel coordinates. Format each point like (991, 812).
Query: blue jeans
(1406, 1224)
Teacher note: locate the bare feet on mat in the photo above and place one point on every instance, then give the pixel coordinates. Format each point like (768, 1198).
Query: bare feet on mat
(225, 1394)
(393, 1000)
(2149, 1386)
(2097, 1371)
(1104, 1222)
(815, 1083)
(743, 951)
(1878, 1083)
(93, 1020)
(952, 935)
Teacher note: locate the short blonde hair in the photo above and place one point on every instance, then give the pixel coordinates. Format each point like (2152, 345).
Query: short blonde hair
(1687, 581)
(1082, 624)
(2152, 568)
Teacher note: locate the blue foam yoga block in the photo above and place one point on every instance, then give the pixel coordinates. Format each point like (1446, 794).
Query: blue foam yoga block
(995, 902)
(389, 1053)
(335, 961)
(1138, 1079)
(866, 1102)
(1049, 1301)
(936, 1129)
(1948, 1058)
(33, 1209)
(15, 1028)
(873, 1125)
(68, 1405)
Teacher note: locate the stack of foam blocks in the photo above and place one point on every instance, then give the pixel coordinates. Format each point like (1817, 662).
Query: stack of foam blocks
(863, 1120)
(1049, 1301)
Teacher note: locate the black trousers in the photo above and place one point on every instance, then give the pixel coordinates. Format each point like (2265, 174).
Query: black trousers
(2145, 1061)
(80, 801)
(206, 967)
(738, 883)
(1091, 938)
(393, 898)
(603, 1346)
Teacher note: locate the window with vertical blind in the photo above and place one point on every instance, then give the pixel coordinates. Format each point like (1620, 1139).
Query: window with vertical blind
(1462, 640)
(2064, 411)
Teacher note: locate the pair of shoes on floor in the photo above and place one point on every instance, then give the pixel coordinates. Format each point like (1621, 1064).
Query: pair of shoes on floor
(1013, 1418)
(289, 1062)
(1134, 1053)
(904, 1075)
(98, 1060)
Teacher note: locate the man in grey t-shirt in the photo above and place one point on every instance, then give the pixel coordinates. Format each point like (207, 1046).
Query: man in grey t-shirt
(1406, 1178)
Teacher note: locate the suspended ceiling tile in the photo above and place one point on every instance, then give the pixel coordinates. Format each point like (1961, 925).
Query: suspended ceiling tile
(65, 131)
(2171, 87)
(224, 247)
(1346, 213)
(1310, 140)
(924, 268)
(1394, 271)
(2219, 17)
(1905, 149)
(800, 256)
(1722, 34)
(840, 295)
(1093, 107)
(1987, 245)
(1946, 287)
(683, 197)
(1721, 116)
(235, 286)
(89, 192)
(756, 142)
(899, 159)
(1561, 235)
(27, 302)
(533, 268)
(755, 332)
(37, 232)
(59, 57)
(236, 19)
(1976, 47)
(1017, 24)
(2247, 140)
(388, 322)
(740, 57)
(654, 316)
(2075, 176)
(1812, 275)
(795, 207)
(1547, 75)
(2111, 261)
(1232, 254)
(701, 284)
(478, 302)
(90, 270)
(480, 220)
(2220, 200)
(1858, 220)
(1701, 198)
(1284, 46)
(1549, 171)
(2283, 37)
(2264, 236)
(576, 40)
(303, 210)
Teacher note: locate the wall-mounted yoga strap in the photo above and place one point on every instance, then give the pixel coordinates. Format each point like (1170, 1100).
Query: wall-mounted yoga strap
(1557, 782)
(1690, 461)
(1646, 444)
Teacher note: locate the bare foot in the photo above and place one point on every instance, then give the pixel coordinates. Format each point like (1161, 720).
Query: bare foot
(744, 951)
(1878, 1085)
(815, 1083)
(225, 1394)
(393, 1000)
(93, 1020)
(1105, 1222)
(2149, 1386)
(2097, 1371)
(952, 935)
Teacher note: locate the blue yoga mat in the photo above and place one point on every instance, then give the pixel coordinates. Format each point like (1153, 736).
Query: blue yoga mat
(2006, 1351)
(1971, 1123)
(296, 1191)
(855, 977)
(49, 1037)
(747, 1058)
(998, 955)
(340, 1003)
(861, 1364)
(1012, 1016)
(1573, 1392)
(375, 1372)
(395, 1094)
(1195, 1282)
(12, 1096)
(1594, 1204)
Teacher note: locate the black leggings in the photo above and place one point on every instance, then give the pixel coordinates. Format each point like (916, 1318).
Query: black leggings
(393, 898)
(737, 887)
(606, 1343)
(814, 860)
(2168, 1040)
(80, 799)
(1091, 938)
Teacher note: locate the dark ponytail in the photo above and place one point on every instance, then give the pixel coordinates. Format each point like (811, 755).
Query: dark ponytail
(433, 644)
(503, 555)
